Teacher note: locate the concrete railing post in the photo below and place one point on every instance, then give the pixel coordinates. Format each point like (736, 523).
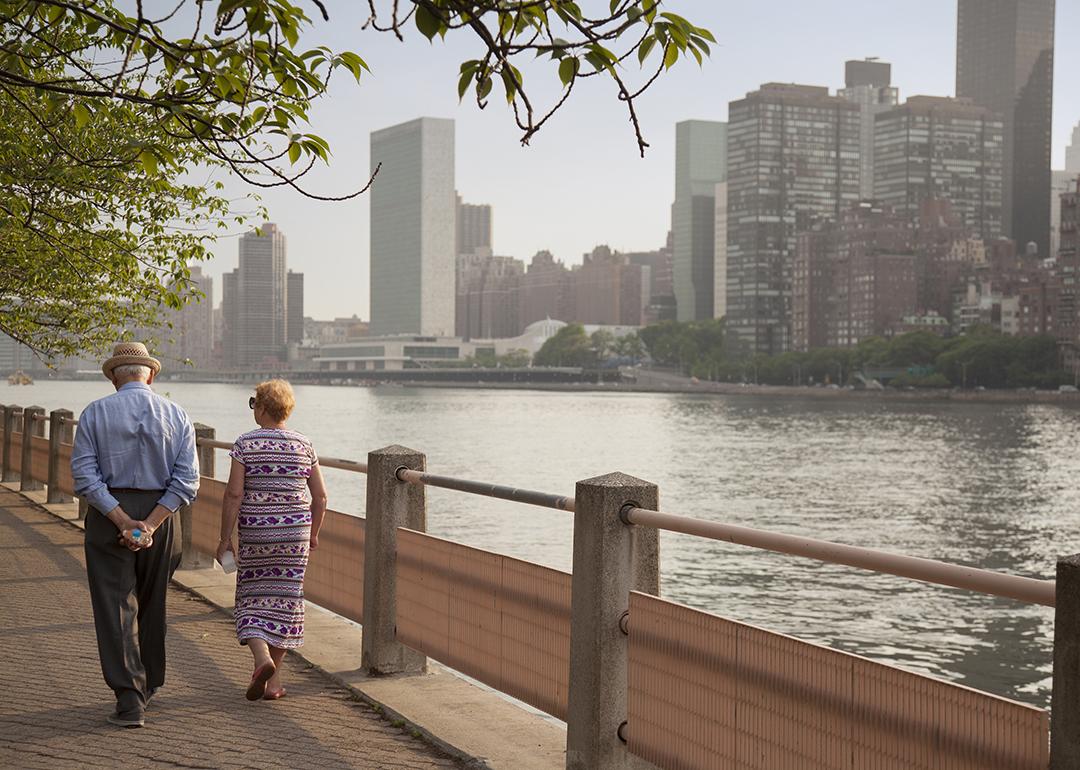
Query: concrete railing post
(190, 557)
(32, 428)
(10, 414)
(205, 454)
(611, 559)
(390, 504)
(1065, 698)
(60, 432)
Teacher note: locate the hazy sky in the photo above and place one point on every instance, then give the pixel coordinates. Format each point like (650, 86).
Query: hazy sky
(581, 181)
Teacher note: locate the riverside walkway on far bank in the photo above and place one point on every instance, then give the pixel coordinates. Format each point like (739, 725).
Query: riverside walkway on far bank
(52, 714)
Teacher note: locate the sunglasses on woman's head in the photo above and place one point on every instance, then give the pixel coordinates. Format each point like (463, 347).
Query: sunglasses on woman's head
(251, 402)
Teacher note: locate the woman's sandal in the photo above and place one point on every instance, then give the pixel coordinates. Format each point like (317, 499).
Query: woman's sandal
(275, 694)
(257, 688)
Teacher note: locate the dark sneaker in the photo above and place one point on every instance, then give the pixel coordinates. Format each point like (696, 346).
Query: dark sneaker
(125, 721)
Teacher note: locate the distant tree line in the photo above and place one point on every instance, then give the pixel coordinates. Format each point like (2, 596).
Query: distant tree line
(982, 357)
(571, 346)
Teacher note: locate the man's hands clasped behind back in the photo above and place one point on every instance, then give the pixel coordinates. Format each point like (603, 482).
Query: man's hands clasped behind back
(128, 527)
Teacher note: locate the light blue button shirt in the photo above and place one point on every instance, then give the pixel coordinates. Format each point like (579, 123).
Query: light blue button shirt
(134, 439)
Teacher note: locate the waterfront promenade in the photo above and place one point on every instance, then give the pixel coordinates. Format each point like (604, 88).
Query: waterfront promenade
(52, 714)
(636, 678)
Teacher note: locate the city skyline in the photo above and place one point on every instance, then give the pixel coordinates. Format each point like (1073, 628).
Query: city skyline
(550, 197)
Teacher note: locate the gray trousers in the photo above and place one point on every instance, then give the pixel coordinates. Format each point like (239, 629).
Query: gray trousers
(127, 592)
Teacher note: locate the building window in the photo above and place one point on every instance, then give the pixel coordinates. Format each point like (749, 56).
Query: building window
(428, 351)
(356, 351)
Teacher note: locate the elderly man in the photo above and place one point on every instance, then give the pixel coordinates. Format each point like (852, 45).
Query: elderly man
(134, 463)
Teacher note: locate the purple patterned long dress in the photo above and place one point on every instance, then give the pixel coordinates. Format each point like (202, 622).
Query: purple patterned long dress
(275, 529)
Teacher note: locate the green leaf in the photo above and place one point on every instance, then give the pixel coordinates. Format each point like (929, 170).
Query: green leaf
(568, 69)
(675, 19)
(678, 35)
(82, 115)
(509, 85)
(645, 48)
(702, 32)
(598, 61)
(355, 64)
(149, 162)
(671, 55)
(427, 23)
(463, 84)
(294, 152)
(484, 88)
(291, 34)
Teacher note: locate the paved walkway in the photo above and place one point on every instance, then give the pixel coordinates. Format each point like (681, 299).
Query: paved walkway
(53, 700)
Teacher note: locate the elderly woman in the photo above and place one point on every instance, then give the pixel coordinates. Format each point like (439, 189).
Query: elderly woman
(276, 491)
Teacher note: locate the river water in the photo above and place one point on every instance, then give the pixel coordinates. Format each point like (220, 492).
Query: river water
(981, 484)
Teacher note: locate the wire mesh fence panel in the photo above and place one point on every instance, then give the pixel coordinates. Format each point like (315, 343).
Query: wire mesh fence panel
(707, 693)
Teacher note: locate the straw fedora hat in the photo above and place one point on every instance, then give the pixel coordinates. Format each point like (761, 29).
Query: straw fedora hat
(128, 354)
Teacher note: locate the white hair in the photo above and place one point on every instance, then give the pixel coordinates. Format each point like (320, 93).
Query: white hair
(136, 371)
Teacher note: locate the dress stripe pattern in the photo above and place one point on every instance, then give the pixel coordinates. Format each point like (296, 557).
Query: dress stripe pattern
(275, 531)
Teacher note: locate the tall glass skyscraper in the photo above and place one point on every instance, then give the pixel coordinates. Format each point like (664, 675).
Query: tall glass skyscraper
(1063, 183)
(793, 158)
(1005, 61)
(1072, 152)
(473, 228)
(255, 300)
(700, 164)
(294, 316)
(413, 223)
(936, 147)
(867, 84)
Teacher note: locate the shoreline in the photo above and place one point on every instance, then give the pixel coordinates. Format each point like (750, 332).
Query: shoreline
(774, 391)
(660, 382)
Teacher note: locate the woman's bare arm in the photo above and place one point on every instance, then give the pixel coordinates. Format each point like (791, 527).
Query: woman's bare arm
(230, 507)
(318, 502)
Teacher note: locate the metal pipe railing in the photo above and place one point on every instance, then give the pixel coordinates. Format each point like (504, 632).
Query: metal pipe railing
(527, 496)
(213, 443)
(983, 581)
(346, 465)
(515, 494)
(971, 578)
(327, 462)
